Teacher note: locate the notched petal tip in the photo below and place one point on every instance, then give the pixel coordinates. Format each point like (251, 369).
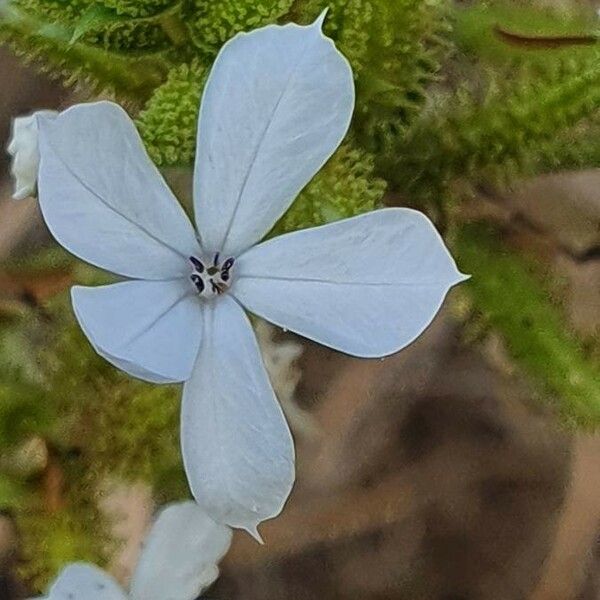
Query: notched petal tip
(320, 20)
(252, 529)
(321, 283)
(238, 423)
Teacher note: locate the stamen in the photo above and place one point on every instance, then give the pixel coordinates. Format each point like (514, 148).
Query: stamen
(198, 282)
(216, 260)
(197, 264)
(216, 288)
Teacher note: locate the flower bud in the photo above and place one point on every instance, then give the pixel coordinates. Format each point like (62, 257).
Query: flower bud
(23, 148)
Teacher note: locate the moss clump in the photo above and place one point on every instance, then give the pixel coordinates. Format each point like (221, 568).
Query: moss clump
(511, 132)
(213, 22)
(169, 119)
(507, 293)
(345, 187)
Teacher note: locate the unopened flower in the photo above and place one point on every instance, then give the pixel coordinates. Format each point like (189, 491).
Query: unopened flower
(178, 561)
(276, 106)
(23, 147)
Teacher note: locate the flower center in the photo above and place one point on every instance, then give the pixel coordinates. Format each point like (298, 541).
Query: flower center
(211, 279)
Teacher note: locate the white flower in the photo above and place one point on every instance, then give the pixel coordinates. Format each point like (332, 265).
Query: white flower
(23, 147)
(277, 104)
(178, 561)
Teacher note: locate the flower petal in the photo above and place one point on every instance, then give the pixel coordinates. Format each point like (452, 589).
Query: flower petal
(149, 329)
(237, 449)
(180, 555)
(276, 105)
(82, 581)
(23, 147)
(367, 286)
(105, 201)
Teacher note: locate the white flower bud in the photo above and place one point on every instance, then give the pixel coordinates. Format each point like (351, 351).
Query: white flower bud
(23, 148)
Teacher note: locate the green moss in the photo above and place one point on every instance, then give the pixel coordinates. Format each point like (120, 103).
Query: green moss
(395, 49)
(576, 148)
(49, 45)
(50, 541)
(53, 11)
(135, 424)
(345, 187)
(169, 119)
(24, 410)
(12, 492)
(507, 293)
(213, 22)
(348, 22)
(143, 443)
(137, 8)
(408, 42)
(510, 132)
(137, 35)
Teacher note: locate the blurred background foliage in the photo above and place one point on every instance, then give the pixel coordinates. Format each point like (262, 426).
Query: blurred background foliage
(453, 100)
